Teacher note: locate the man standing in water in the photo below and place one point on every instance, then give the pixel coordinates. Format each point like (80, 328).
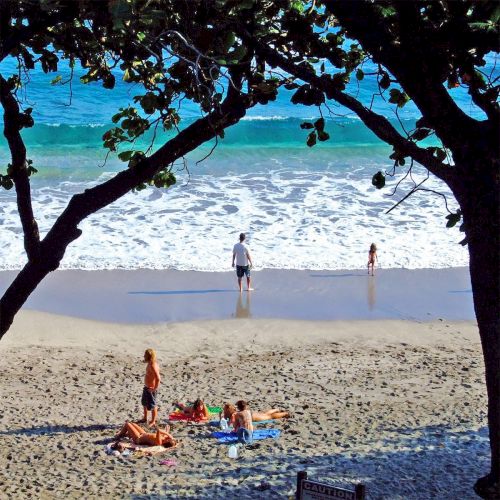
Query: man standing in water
(241, 255)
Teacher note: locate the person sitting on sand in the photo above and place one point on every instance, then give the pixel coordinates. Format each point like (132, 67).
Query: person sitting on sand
(243, 423)
(198, 411)
(229, 411)
(139, 436)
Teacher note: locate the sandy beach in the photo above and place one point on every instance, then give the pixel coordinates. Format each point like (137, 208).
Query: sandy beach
(397, 404)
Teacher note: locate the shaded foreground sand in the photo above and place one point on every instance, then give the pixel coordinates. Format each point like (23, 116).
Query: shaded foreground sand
(398, 405)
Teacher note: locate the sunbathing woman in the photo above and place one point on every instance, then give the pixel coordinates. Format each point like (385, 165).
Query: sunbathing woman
(257, 416)
(197, 412)
(139, 436)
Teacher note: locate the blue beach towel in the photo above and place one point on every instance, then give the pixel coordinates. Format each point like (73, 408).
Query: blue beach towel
(216, 423)
(231, 437)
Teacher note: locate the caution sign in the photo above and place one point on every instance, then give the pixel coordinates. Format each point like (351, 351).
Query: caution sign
(313, 490)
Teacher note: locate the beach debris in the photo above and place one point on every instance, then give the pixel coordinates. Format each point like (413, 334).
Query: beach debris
(169, 462)
(263, 486)
(233, 451)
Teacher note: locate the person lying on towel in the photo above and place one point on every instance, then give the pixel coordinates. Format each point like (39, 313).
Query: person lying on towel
(139, 436)
(229, 412)
(198, 411)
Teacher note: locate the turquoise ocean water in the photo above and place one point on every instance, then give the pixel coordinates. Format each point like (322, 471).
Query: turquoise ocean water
(303, 208)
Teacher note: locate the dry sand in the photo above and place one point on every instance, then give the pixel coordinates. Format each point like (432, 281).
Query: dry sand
(397, 405)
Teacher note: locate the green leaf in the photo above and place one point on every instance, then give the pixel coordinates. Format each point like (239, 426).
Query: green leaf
(120, 10)
(378, 180)
(479, 80)
(25, 119)
(388, 11)
(306, 125)
(334, 39)
(311, 139)
(128, 75)
(323, 136)
(360, 74)
(308, 96)
(32, 170)
(116, 118)
(298, 6)
(245, 4)
(56, 80)
(398, 97)
(229, 40)
(421, 133)
(385, 81)
(238, 53)
(319, 124)
(439, 153)
(108, 81)
(7, 182)
(125, 155)
(454, 218)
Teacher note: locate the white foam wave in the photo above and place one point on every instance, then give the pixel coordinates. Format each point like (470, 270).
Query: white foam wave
(294, 219)
(255, 118)
(72, 125)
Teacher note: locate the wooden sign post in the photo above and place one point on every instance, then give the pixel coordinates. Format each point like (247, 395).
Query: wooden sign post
(313, 490)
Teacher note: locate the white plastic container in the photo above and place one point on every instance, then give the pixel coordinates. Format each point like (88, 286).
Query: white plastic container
(233, 451)
(223, 424)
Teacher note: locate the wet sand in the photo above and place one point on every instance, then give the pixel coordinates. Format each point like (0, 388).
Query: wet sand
(148, 296)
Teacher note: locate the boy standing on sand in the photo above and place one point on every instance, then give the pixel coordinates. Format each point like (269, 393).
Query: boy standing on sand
(241, 255)
(151, 382)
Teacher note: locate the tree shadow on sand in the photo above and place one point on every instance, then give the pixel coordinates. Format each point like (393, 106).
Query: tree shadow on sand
(432, 462)
(346, 275)
(52, 430)
(182, 292)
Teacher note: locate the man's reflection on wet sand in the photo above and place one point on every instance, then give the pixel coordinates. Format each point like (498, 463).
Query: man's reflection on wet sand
(243, 306)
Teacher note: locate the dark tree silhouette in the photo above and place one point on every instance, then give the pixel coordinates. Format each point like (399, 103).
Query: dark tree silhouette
(175, 49)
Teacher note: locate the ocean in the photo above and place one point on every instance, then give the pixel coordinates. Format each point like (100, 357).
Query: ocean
(301, 207)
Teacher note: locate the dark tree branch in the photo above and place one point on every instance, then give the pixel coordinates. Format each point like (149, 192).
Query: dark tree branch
(491, 108)
(5, 17)
(14, 37)
(65, 229)
(232, 109)
(422, 80)
(19, 171)
(378, 124)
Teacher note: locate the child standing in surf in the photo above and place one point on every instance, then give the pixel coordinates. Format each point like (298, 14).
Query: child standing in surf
(372, 256)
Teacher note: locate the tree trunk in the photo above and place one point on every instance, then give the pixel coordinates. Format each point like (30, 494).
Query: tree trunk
(19, 291)
(52, 250)
(484, 271)
(480, 203)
